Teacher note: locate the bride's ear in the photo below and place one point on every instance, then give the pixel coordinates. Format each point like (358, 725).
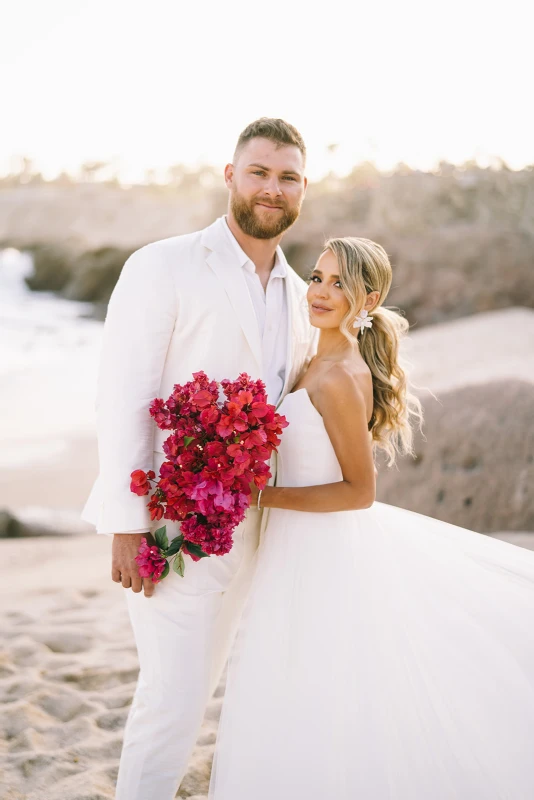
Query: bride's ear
(371, 300)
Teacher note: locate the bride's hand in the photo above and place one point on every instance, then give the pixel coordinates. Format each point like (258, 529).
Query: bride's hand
(253, 495)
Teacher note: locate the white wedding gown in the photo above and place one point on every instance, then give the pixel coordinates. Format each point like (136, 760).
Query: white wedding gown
(382, 654)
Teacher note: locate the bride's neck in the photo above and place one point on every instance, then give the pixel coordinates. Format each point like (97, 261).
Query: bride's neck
(332, 344)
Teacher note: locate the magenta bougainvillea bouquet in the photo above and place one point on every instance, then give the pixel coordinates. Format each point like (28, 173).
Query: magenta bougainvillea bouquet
(216, 450)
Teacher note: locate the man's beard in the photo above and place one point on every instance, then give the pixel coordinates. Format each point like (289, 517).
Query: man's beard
(249, 223)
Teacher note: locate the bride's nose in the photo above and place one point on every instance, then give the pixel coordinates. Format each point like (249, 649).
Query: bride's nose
(322, 290)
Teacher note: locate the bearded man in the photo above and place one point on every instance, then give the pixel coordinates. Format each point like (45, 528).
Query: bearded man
(222, 300)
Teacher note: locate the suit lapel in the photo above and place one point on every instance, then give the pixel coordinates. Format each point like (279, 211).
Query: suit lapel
(295, 332)
(222, 261)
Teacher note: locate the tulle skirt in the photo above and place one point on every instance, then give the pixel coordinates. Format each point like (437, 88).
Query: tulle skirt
(382, 655)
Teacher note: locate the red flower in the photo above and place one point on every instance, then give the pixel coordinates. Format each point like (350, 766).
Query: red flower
(216, 448)
(260, 409)
(161, 414)
(225, 427)
(241, 422)
(245, 397)
(139, 484)
(209, 416)
(254, 439)
(202, 399)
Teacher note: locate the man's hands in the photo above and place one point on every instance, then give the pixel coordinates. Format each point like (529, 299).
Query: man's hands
(124, 569)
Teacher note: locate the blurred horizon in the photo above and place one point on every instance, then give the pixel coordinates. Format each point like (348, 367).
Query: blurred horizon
(143, 89)
(26, 171)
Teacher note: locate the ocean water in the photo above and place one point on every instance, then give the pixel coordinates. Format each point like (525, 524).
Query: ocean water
(49, 355)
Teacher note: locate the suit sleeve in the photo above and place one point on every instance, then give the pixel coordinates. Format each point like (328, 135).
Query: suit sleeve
(137, 331)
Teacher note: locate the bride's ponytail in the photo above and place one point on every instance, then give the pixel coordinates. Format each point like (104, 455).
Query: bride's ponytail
(364, 267)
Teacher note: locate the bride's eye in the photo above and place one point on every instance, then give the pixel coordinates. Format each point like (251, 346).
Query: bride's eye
(314, 279)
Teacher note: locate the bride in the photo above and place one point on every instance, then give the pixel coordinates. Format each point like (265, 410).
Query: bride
(382, 654)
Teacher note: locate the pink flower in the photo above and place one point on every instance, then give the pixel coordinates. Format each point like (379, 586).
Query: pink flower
(150, 561)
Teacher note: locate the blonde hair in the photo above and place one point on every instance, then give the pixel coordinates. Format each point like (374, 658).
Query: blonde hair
(364, 267)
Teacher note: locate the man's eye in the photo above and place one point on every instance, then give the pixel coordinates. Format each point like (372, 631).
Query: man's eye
(259, 172)
(289, 178)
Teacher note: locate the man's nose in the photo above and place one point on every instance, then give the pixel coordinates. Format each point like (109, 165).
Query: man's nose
(272, 187)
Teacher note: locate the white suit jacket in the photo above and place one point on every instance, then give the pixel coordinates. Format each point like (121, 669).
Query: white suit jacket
(180, 305)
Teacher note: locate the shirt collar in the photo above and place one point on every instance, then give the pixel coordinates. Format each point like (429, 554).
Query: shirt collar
(280, 267)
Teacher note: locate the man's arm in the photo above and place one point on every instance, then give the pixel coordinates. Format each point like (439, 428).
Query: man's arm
(137, 331)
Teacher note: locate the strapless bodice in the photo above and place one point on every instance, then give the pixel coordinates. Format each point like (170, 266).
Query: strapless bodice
(305, 456)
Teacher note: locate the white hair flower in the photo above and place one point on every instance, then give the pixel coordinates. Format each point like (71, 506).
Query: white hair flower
(363, 320)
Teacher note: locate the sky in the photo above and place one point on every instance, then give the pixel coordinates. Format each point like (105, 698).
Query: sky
(150, 84)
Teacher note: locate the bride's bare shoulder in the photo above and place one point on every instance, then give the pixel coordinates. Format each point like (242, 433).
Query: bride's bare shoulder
(345, 389)
(343, 385)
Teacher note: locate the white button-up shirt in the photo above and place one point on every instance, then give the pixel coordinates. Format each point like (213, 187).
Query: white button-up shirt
(270, 306)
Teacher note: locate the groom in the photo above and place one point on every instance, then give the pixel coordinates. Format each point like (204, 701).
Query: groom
(222, 300)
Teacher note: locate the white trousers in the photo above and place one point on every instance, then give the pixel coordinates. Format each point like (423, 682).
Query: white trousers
(184, 634)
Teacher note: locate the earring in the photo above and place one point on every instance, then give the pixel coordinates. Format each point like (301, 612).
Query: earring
(363, 320)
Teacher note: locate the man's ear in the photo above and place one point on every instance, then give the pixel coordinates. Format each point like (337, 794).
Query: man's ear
(229, 175)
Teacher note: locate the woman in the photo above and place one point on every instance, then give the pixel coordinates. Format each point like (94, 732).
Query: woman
(382, 654)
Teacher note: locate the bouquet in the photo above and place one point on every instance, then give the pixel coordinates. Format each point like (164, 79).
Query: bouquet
(215, 451)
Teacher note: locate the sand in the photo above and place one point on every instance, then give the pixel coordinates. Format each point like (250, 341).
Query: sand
(68, 670)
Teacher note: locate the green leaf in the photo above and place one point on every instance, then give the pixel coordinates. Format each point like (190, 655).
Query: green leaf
(165, 571)
(188, 440)
(178, 564)
(161, 538)
(175, 545)
(196, 550)
(237, 439)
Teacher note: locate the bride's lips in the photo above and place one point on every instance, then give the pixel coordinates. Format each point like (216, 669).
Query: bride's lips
(320, 309)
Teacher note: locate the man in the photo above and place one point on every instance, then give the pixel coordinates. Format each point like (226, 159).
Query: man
(222, 300)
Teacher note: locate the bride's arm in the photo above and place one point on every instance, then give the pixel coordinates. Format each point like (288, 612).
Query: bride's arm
(342, 405)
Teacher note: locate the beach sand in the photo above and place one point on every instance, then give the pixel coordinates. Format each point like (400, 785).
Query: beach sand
(68, 670)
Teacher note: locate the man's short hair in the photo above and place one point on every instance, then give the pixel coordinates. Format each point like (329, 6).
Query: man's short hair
(276, 130)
